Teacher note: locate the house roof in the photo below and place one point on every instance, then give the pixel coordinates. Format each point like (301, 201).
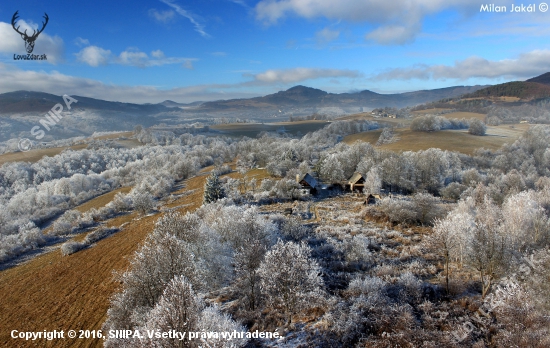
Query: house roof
(310, 180)
(355, 178)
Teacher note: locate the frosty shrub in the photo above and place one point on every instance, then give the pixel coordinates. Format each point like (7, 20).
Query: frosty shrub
(97, 235)
(287, 189)
(427, 207)
(453, 191)
(28, 237)
(221, 170)
(213, 189)
(367, 286)
(143, 201)
(293, 229)
(386, 137)
(356, 249)
(121, 202)
(477, 127)
(72, 247)
(67, 222)
(410, 288)
(398, 211)
(213, 320)
(290, 278)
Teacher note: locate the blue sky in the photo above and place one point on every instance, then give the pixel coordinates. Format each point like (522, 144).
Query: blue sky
(183, 50)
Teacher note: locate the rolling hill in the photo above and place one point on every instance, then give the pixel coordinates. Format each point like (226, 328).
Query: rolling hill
(524, 90)
(302, 96)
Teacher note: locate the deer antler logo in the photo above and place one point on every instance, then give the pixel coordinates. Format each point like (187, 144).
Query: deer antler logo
(29, 40)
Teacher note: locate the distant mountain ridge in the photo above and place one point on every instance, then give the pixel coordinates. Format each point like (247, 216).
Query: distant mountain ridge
(39, 102)
(302, 96)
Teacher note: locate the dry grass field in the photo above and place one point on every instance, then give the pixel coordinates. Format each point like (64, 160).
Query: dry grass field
(36, 155)
(54, 292)
(452, 140)
(72, 292)
(252, 130)
(466, 115)
(431, 111)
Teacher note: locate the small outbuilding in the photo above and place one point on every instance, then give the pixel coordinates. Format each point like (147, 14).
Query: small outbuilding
(356, 182)
(306, 181)
(372, 198)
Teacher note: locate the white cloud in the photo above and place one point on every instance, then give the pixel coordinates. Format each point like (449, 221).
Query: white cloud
(12, 43)
(300, 74)
(199, 28)
(162, 16)
(397, 21)
(157, 54)
(327, 35)
(524, 66)
(13, 79)
(94, 56)
(219, 54)
(394, 34)
(240, 2)
(81, 42)
(188, 64)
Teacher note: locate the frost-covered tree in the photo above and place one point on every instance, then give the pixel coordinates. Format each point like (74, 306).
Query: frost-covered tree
(143, 201)
(445, 241)
(178, 309)
(386, 137)
(331, 169)
(213, 189)
(373, 183)
(477, 127)
(290, 278)
(427, 207)
(488, 248)
(247, 261)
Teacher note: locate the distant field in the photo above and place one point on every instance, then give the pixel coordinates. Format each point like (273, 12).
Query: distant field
(429, 111)
(252, 130)
(36, 155)
(466, 115)
(452, 140)
(383, 120)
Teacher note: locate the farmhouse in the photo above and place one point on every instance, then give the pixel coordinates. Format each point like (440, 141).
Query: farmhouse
(356, 182)
(306, 181)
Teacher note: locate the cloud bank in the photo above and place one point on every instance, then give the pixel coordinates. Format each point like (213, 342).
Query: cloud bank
(397, 21)
(524, 66)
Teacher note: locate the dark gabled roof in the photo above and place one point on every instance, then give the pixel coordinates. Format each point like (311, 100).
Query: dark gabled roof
(307, 178)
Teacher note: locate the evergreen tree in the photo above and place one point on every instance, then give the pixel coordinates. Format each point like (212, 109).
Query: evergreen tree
(213, 189)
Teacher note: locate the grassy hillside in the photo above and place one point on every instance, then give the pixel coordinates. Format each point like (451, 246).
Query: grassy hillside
(452, 140)
(519, 89)
(72, 292)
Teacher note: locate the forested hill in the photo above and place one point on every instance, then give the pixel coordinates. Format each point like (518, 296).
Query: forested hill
(544, 79)
(523, 90)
